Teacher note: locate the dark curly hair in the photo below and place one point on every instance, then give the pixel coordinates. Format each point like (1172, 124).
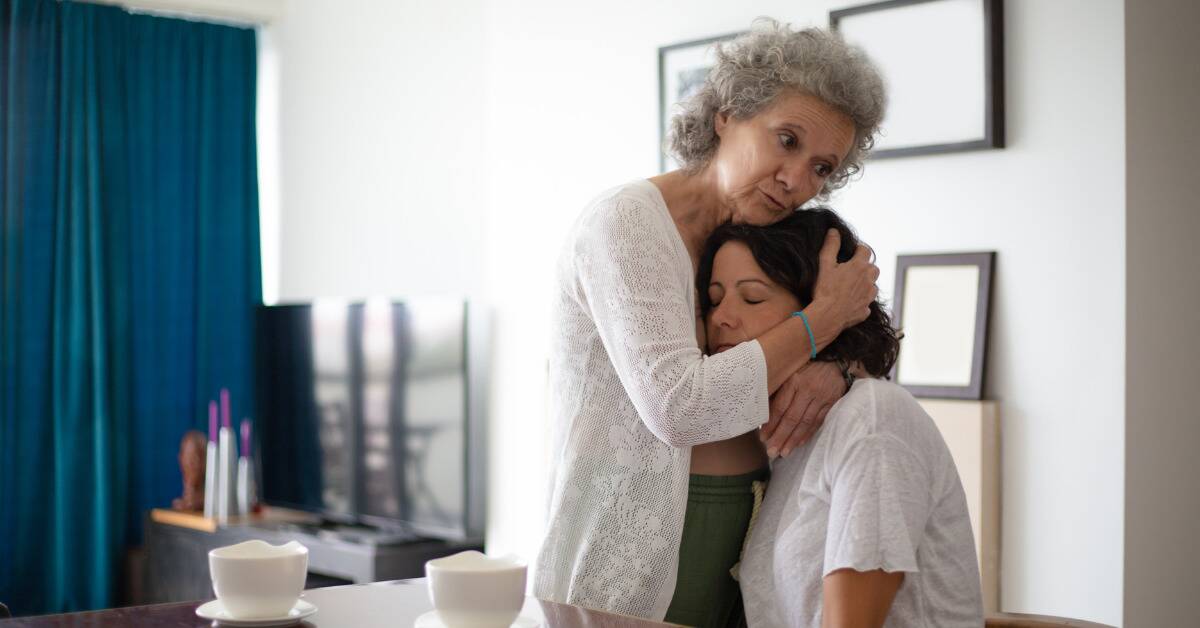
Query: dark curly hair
(789, 253)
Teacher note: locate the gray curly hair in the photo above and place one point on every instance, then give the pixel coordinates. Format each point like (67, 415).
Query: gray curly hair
(751, 70)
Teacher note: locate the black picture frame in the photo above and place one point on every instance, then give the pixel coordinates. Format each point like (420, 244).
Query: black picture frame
(993, 135)
(974, 388)
(667, 101)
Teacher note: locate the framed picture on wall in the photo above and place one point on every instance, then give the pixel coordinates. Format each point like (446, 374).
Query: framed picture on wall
(682, 69)
(943, 63)
(942, 306)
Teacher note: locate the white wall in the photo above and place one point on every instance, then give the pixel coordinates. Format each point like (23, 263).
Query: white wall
(1162, 505)
(565, 96)
(381, 147)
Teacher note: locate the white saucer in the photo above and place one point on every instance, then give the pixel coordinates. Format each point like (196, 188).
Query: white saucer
(431, 620)
(215, 611)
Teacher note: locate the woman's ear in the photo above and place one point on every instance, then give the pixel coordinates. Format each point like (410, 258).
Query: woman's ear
(720, 121)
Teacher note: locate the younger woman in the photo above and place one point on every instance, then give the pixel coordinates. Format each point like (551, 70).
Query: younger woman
(866, 524)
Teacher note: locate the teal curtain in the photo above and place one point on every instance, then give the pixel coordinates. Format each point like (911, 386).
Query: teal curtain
(129, 269)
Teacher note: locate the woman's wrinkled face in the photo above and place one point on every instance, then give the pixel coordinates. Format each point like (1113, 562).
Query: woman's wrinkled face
(745, 301)
(777, 160)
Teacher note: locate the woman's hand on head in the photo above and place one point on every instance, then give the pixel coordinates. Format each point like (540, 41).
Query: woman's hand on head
(846, 289)
(799, 407)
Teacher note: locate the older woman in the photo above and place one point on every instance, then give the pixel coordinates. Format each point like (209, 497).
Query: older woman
(639, 411)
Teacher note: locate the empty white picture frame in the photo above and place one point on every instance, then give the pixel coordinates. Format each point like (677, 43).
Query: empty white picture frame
(943, 63)
(941, 306)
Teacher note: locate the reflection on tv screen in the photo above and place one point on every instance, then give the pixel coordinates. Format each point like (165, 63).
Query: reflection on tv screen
(362, 410)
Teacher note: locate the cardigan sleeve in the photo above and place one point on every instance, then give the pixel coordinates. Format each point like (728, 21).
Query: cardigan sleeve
(636, 287)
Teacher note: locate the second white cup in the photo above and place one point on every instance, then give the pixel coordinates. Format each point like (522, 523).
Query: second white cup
(471, 590)
(256, 580)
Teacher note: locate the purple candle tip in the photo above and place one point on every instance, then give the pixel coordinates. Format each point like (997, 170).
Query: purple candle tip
(225, 420)
(245, 437)
(212, 421)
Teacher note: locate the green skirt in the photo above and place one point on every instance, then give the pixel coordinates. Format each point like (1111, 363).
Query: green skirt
(719, 513)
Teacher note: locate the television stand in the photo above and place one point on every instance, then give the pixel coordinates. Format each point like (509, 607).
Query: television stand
(177, 546)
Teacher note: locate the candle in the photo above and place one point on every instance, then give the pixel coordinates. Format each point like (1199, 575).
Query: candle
(245, 438)
(211, 489)
(225, 421)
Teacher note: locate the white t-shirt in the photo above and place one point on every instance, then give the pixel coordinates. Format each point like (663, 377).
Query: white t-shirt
(875, 489)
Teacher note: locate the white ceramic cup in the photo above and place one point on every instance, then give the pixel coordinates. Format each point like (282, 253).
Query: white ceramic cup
(471, 590)
(256, 580)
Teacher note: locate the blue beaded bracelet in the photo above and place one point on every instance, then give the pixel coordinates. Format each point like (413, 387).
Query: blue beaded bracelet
(812, 340)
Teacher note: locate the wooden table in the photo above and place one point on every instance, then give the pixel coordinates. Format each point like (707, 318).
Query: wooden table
(394, 604)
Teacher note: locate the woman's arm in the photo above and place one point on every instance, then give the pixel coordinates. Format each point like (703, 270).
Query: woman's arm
(637, 292)
(858, 599)
(635, 285)
(800, 403)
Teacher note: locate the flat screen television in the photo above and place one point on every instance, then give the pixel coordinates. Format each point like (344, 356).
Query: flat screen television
(372, 413)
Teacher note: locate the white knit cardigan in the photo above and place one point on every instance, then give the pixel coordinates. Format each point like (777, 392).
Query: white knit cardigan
(630, 394)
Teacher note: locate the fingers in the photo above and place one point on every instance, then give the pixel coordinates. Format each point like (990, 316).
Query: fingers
(799, 422)
(807, 428)
(862, 254)
(865, 256)
(808, 425)
(778, 409)
(814, 416)
(781, 401)
(821, 414)
(767, 429)
(868, 290)
(782, 398)
(792, 421)
(829, 250)
(849, 286)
